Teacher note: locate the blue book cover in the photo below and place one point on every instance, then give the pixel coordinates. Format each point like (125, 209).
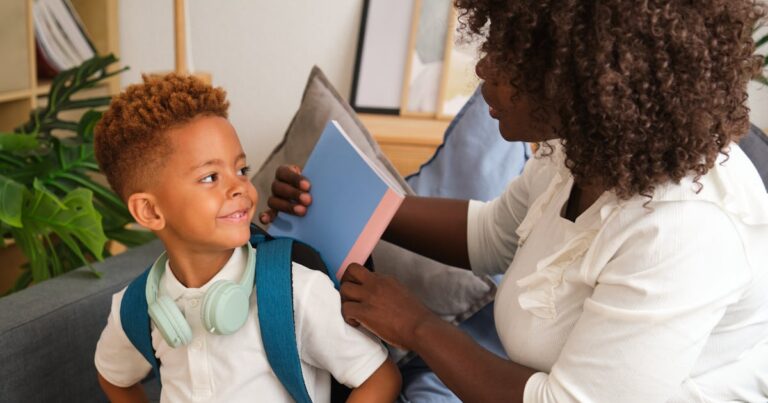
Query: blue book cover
(352, 203)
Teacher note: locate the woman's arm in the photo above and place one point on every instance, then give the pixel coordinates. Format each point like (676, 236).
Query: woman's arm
(384, 306)
(436, 228)
(473, 373)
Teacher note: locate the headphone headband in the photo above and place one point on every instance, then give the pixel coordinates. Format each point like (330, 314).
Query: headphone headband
(156, 273)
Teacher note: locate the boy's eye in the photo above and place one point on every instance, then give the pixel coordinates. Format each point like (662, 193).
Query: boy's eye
(244, 170)
(210, 178)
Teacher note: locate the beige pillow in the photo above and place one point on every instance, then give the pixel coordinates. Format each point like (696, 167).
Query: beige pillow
(453, 293)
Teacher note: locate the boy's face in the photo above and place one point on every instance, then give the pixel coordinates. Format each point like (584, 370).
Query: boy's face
(203, 189)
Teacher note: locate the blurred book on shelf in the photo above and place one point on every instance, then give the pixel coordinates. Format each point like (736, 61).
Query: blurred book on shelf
(61, 40)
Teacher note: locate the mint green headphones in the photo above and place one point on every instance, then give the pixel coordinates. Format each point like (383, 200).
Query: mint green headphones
(224, 310)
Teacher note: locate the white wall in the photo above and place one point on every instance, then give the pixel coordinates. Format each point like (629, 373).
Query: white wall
(260, 51)
(758, 103)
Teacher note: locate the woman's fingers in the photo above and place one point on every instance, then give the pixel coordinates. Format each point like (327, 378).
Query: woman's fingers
(267, 216)
(287, 206)
(286, 191)
(382, 305)
(351, 291)
(350, 311)
(291, 174)
(289, 194)
(356, 273)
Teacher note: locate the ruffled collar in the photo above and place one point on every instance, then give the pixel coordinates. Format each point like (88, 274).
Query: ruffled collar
(742, 198)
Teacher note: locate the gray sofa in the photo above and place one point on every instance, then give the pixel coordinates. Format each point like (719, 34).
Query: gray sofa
(48, 332)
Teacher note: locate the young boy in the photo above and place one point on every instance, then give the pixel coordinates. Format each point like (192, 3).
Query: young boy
(169, 151)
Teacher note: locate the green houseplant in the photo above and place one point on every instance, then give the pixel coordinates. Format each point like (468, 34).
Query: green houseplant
(52, 202)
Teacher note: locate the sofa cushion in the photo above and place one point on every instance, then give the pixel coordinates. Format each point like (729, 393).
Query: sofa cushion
(474, 161)
(755, 145)
(319, 104)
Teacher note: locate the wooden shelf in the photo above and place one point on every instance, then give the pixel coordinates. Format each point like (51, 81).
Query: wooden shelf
(14, 95)
(43, 87)
(20, 90)
(407, 130)
(407, 141)
(103, 88)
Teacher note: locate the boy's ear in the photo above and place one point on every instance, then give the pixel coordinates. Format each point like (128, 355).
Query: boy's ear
(145, 211)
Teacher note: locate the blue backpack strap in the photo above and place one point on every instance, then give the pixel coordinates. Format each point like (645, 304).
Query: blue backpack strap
(134, 318)
(274, 293)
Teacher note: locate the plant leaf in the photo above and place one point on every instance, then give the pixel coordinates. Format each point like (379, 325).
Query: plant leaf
(73, 217)
(102, 193)
(11, 201)
(34, 249)
(17, 142)
(87, 123)
(762, 41)
(94, 102)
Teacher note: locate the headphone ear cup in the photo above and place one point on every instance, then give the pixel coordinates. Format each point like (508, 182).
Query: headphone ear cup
(170, 322)
(225, 307)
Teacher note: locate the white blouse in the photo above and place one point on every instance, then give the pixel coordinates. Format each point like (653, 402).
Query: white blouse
(636, 301)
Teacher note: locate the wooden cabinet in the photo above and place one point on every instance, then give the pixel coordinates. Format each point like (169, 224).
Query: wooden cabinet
(407, 141)
(20, 90)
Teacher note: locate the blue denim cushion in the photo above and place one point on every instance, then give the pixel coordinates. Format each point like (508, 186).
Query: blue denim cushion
(474, 161)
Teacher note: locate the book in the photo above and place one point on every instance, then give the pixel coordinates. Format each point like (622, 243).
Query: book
(61, 39)
(72, 27)
(353, 201)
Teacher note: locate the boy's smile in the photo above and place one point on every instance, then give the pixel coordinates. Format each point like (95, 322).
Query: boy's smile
(203, 191)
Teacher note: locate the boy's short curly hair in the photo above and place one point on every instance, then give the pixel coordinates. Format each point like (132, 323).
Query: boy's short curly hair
(646, 91)
(129, 141)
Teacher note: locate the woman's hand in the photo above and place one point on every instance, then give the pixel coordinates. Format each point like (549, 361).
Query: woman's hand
(289, 194)
(382, 305)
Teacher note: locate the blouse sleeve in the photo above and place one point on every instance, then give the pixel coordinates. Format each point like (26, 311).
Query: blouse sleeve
(492, 237)
(659, 290)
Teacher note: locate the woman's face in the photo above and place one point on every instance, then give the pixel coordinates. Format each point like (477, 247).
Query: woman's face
(513, 111)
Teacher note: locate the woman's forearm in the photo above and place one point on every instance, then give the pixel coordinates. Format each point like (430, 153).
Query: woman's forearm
(433, 227)
(473, 373)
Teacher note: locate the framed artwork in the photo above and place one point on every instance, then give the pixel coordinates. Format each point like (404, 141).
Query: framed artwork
(381, 54)
(459, 79)
(426, 51)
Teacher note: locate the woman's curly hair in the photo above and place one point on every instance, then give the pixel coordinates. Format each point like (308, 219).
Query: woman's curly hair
(646, 91)
(129, 141)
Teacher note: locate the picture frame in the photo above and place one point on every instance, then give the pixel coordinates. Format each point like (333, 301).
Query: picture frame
(381, 54)
(428, 37)
(459, 79)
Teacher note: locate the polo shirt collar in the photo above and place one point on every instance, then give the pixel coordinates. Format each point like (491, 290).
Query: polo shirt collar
(232, 270)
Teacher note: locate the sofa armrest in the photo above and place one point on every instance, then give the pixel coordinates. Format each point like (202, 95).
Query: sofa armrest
(48, 332)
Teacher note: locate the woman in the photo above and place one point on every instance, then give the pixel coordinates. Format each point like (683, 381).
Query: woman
(634, 245)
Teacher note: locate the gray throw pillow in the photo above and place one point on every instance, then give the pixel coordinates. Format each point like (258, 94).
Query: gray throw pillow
(452, 293)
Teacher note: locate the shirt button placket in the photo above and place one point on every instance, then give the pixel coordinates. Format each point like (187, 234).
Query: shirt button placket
(197, 353)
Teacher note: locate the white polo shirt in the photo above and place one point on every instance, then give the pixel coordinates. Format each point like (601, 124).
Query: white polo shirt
(234, 368)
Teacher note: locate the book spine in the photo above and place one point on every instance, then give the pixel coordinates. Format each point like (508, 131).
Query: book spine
(372, 231)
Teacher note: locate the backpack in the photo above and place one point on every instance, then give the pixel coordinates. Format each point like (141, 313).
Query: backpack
(274, 293)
